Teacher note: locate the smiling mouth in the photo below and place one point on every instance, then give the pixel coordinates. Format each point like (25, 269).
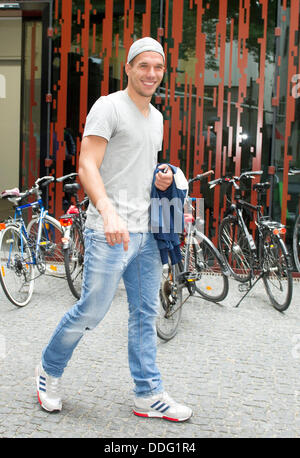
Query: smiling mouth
(149, 83)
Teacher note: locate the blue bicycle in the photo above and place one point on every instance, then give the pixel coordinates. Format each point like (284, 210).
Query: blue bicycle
(24, 250)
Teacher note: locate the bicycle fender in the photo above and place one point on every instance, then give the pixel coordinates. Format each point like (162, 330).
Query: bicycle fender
(285, 251)
(50, 219)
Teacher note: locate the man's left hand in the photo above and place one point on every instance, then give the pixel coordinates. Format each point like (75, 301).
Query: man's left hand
(163, 179)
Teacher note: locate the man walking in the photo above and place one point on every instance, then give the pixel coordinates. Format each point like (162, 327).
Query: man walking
(122, 136)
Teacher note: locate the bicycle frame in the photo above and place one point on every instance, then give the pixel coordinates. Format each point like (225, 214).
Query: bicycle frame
(193, 234)
(18, 218)
(263, 223)
(260, 222)
(193, 272)
(189, 226)
(238, 210)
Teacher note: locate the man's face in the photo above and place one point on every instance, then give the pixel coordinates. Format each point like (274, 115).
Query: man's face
(145, 73)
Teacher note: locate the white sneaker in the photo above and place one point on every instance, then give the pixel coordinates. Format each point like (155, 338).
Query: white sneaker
(161, 406)
(48, 390)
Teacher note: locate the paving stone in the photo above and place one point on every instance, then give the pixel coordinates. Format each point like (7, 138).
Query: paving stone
(238, 368)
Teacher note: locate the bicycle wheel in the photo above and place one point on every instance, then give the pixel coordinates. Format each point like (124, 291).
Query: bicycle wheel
(50, 258)
(296, 243)
(170, 308)
(277, 277)
(74, 258)
(16, 270)
(205, 266)
(235, 249)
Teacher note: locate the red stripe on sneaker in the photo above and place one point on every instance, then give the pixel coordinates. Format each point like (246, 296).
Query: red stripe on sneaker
(141, 414)
(38, 395)
(171, 419)
(147, 416)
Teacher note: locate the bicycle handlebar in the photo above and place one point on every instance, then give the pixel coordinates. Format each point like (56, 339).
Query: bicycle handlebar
(293, 171)
(65, 177)
(43, 181)
(47, 180)
(16, 196)
(200, 176)
(250, 174)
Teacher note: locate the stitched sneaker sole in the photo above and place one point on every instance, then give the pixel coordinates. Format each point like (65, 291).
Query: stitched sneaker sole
(152, 414)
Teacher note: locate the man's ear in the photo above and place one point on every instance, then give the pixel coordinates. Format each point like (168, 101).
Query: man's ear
(127, 68)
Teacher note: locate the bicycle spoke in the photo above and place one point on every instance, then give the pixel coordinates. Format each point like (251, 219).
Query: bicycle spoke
(49, 257)
(277, 277)
(74, 260)
(170, 307)
(296, 243)
(205, 267)
(235, 249)
(16, 272)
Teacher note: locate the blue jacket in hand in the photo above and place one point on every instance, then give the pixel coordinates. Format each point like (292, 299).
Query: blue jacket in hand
(167, 215)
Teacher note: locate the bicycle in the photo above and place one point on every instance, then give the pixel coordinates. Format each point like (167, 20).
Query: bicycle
(201, 271)
(23, 248)
(244, 257)
(296, 231)
(73, 241)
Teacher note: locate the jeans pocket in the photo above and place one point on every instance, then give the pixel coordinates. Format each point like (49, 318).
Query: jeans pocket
(98, 237)
(94, 236)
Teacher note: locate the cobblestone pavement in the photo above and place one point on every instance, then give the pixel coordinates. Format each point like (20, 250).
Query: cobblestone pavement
(238, 368)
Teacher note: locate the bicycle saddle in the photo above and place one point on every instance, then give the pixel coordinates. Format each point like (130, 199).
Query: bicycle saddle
(261, 186)
(15, 192)
(72, 187)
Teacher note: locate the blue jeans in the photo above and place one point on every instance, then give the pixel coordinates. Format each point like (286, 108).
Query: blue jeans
(104, 266)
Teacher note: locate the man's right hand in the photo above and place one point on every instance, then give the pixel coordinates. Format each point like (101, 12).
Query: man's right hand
(114, 227)
(115, 230)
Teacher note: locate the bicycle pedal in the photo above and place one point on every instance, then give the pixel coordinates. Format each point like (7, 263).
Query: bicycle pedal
(190, 276)
(244, 287)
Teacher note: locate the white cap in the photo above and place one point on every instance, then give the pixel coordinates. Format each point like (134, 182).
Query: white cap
(142, 45)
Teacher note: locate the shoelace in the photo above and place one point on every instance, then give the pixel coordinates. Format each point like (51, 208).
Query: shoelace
(165, 397)
(53, 385)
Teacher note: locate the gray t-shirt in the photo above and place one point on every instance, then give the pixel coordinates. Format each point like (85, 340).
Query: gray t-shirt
(130, 157)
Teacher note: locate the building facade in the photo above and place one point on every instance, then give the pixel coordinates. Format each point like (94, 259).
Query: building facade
(230, 96)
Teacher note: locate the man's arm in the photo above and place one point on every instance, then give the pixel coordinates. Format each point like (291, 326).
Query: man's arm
(90, 159)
